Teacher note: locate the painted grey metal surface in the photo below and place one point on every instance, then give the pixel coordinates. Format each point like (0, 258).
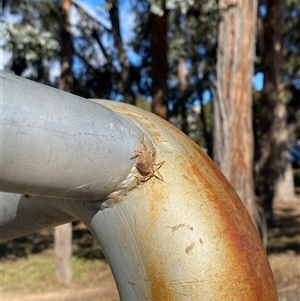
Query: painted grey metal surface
(61, 145)
(187, 237)
(21, 215)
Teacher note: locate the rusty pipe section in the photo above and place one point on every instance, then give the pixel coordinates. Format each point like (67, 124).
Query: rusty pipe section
(187, 237)
(171, 231)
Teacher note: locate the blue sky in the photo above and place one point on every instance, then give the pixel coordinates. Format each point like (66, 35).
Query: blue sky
(258, 81)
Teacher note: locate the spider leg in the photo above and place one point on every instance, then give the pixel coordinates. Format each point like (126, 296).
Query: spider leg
(159, 165)
(136, 154)
(159, 177)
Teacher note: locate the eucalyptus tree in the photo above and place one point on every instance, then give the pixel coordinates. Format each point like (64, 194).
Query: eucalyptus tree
(159, 62)
(233, 133)
(279, 53)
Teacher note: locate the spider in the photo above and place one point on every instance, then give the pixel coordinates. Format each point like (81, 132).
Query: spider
(146, 164)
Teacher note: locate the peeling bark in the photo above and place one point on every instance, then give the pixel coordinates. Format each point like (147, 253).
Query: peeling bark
(233, 134)
(182, 98)
(66, 78)
(63, 253)
(124, 82)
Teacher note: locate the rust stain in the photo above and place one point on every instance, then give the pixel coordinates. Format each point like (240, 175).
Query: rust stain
(189, 248)
(157, 199)
(158, 288)
(239, 233)
(156, 269)
(233, 223)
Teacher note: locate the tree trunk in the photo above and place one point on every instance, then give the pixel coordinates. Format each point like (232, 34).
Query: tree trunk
(66, 77)
(124, 82)
(274, 173)
(182, 97)
(63, 233)
(233, 135)
(63, 253)
(159, 64)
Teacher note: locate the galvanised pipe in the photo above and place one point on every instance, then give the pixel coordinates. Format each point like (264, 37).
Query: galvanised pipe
(60, 145)
(21, 215)
(182, 236)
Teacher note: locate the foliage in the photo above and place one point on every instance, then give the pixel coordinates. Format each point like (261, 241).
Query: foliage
(31, 38)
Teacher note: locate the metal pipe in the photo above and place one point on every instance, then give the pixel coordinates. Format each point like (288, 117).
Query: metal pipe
(176, 231)
(60, 145)
(21, 215)
(188, 237)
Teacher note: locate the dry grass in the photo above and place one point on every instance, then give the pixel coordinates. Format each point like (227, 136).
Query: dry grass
(36, 274)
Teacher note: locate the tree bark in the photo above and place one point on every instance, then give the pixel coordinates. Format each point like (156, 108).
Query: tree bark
(274, 173)
(63, 253)
(233, 135)
(159, 64)
(182, 97)
(66, 77)
(124, 82)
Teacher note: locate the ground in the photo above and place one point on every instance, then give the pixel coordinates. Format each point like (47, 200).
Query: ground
(284, 249)
(27, 267)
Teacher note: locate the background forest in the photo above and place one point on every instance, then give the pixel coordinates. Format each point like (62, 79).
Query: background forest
(227, 73)
(167, 56)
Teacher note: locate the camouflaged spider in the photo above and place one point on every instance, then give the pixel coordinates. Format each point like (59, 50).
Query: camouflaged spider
(146, 165)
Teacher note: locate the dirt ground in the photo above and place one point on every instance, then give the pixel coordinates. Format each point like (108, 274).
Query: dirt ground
(283, 252)
(284, 249)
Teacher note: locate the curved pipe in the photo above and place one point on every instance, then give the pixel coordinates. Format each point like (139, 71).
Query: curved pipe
(187, 237)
